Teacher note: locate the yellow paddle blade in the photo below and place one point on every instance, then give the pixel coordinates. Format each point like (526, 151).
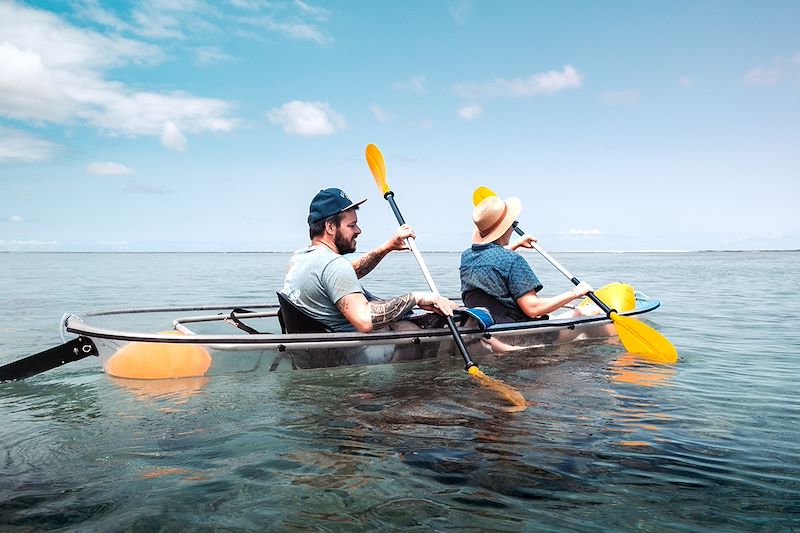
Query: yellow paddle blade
(480, 194)
(639, 338)
(513, 397)
(377, 167)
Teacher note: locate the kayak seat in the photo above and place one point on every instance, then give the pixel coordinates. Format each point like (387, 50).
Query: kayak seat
(500, 313)
(293, 320)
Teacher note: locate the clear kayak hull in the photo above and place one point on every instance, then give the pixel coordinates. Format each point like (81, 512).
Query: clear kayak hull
(213, 340)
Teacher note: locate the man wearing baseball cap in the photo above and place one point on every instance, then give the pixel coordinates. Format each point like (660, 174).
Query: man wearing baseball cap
(495, 276)
(324, 284)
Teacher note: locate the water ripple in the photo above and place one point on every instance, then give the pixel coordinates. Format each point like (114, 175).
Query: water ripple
(609, 441)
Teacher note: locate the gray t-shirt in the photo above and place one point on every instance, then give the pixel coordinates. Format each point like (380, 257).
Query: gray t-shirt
(316, 279)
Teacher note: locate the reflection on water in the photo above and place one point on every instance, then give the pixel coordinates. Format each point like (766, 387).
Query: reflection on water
(176, 391)
(632, 368)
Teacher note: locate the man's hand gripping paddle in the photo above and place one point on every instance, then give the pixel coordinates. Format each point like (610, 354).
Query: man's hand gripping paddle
(636, 336)
(378, 169)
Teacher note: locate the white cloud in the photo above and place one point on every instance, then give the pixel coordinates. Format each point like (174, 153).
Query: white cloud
(301, 31)
(107, 168)
(30, 243)
(91, 10)
(144, 113)
(379, 113)
(184, 20)
(247, 4)
(318, 13)
(28, 90)
(544, 83)
(210, 55)
(152, 19)
(307, 119)
(140, 188)
(459, 10)
(172, 138)
(774, 73)
(62, 45)
(19, 147)
(685, 81)
(55, 72)
(628, 97)
(162, 20)
(51, 69)
(584, 233)
(764, 76)
(470, 112)
(16, 218)
(415, 85)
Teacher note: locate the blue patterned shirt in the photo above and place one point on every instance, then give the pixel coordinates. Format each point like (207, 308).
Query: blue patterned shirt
(499, 272)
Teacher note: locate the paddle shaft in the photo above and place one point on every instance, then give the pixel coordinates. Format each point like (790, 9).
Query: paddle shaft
(637, 337)
(607, 310)
(412, 245)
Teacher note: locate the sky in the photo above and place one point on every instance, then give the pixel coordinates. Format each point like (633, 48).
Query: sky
(199, 125)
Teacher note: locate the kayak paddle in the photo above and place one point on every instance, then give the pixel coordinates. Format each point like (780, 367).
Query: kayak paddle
(378, 169)
(636, 336)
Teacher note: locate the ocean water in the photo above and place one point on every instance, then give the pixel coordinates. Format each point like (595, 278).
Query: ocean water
(609, 442)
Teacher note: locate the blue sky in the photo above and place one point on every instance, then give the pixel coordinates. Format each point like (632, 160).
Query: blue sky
(196, 125)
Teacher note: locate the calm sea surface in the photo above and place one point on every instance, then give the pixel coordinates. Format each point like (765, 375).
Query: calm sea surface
(609, 442)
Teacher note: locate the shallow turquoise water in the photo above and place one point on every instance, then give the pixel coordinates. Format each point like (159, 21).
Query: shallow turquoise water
(608, 443)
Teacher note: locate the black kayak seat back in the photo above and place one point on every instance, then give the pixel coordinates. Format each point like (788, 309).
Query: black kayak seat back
(500, 313)
(293, 320)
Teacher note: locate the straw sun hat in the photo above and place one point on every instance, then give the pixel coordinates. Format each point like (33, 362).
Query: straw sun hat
(493, 217)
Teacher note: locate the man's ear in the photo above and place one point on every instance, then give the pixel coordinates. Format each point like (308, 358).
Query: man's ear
(330, 227)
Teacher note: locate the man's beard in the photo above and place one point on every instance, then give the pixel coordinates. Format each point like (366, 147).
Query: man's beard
(344, 246)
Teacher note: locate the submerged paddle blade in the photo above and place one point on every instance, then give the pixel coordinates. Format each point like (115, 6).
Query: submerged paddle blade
(480, 194)
(513, 397)
(377, 167)
(639, 338)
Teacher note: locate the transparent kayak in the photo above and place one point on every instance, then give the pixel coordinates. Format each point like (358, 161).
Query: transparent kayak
(225, 339)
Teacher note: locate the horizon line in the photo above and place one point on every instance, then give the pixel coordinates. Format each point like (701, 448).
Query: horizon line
(644, 251)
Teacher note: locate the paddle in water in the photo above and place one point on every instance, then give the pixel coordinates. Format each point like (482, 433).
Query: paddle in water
(378, 169)
(636, 336)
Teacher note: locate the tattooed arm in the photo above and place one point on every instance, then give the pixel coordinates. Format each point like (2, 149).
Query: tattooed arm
(364, 264)
(385, 311)
(368, 316)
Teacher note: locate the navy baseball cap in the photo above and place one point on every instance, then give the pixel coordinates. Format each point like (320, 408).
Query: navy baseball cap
(329, 202)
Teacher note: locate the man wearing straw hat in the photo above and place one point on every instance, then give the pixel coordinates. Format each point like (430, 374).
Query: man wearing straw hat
(493, 275)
